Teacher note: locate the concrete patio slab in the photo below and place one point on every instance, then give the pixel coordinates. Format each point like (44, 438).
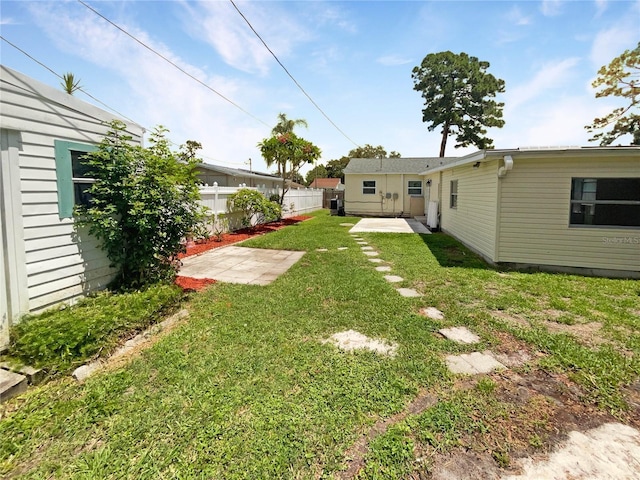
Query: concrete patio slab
(459, 335)
(252, 266)
(390, 225)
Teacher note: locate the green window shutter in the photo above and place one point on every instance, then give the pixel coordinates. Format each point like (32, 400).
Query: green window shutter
(64, 174)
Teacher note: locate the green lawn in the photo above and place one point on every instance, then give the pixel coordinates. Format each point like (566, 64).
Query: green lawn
(246, 388)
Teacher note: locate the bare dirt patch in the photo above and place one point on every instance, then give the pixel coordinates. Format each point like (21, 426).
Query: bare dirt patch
(511, 318)
(588, 334)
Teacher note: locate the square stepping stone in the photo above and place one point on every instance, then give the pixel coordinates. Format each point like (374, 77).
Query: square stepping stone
(473, 363)
(362, 243)
(11, 384)
(366, 248)
(393, 278)
(375, 260)
(343, 248)
(459, 335)
(432, 312)
(408, 292)
(384, 268)
(322, 249)
(371, 254)
(351, 340)
(358, 239)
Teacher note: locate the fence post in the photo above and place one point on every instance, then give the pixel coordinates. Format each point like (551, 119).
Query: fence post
(215, 204)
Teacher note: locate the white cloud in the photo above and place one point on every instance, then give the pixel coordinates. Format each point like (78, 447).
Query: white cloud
(7, 21)
(153, 92)
(611, 42)
(601, 6)
(551, 8)
(550, 76)
(516, 17)
(393, 60)
(220, 25)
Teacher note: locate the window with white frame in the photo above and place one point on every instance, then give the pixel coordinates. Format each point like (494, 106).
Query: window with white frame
(606, 202)
(81, 178)
(414, 187)
(368, 187)
(453, 194)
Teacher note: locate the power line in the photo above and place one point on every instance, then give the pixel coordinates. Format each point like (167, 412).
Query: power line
(172, 63)
(62, 78)
(290, 76)
(30, 57)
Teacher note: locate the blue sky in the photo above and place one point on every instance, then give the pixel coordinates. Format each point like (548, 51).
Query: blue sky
(353, 58)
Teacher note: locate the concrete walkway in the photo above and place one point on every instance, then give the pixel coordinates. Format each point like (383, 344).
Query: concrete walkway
(389, 225)
(252, 266)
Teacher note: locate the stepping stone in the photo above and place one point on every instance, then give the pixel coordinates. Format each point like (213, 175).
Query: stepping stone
(322, 249)
(393, 278)
(408, 292)
(459, 334)
(343, 248)
(473, 363)
(382, 269)
(432, 312)
(375, 260)
(366, 248)
(362, 243)
(347, 224)
(11, 384)
(358, 239)
(371, 254)
(352, 340)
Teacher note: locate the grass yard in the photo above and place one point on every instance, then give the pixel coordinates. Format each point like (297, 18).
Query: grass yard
(246, 389)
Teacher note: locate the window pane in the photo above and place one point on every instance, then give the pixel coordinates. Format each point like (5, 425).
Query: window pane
(618, 189)
(368, 187)
(78, 167)
(81, 194)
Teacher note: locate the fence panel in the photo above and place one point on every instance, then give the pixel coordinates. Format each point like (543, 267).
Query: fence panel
(296, 202)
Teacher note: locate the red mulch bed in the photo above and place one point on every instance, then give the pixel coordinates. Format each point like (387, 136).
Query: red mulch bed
(240, 235)
(196, 284)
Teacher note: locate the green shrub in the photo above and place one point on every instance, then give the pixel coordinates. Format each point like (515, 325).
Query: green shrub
(59, 340)
(144, 203)
(252, 204)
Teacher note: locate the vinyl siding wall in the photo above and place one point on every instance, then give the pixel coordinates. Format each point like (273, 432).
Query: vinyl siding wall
(473, 222)
(534, 216)
(357, 203)
(61, 263)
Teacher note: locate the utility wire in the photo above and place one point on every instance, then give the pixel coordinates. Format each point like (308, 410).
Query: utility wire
(61, 78)
(172, 63)
(290, 76)
(104, 104)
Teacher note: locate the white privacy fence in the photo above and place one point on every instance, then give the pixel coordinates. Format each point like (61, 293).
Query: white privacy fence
(296, 202)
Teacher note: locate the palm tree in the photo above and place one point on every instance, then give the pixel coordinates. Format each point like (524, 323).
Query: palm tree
(69, 83)
(286, 125)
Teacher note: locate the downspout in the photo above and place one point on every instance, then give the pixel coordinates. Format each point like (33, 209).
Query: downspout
(508, 165)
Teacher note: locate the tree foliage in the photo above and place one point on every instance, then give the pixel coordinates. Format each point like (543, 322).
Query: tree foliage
(286, 125)
(458, 94)
(69, 83)
(621, 78)
(289, 152)
(369, 151)
(145, 202)
(253, 205)
(319, 171)
(335, 167)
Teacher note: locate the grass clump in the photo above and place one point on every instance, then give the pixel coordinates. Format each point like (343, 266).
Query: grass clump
(61, 339)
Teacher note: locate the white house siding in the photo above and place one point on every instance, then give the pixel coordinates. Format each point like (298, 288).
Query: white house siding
(60, 263)
(473, 222)
(357, 203)
(534, 215)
